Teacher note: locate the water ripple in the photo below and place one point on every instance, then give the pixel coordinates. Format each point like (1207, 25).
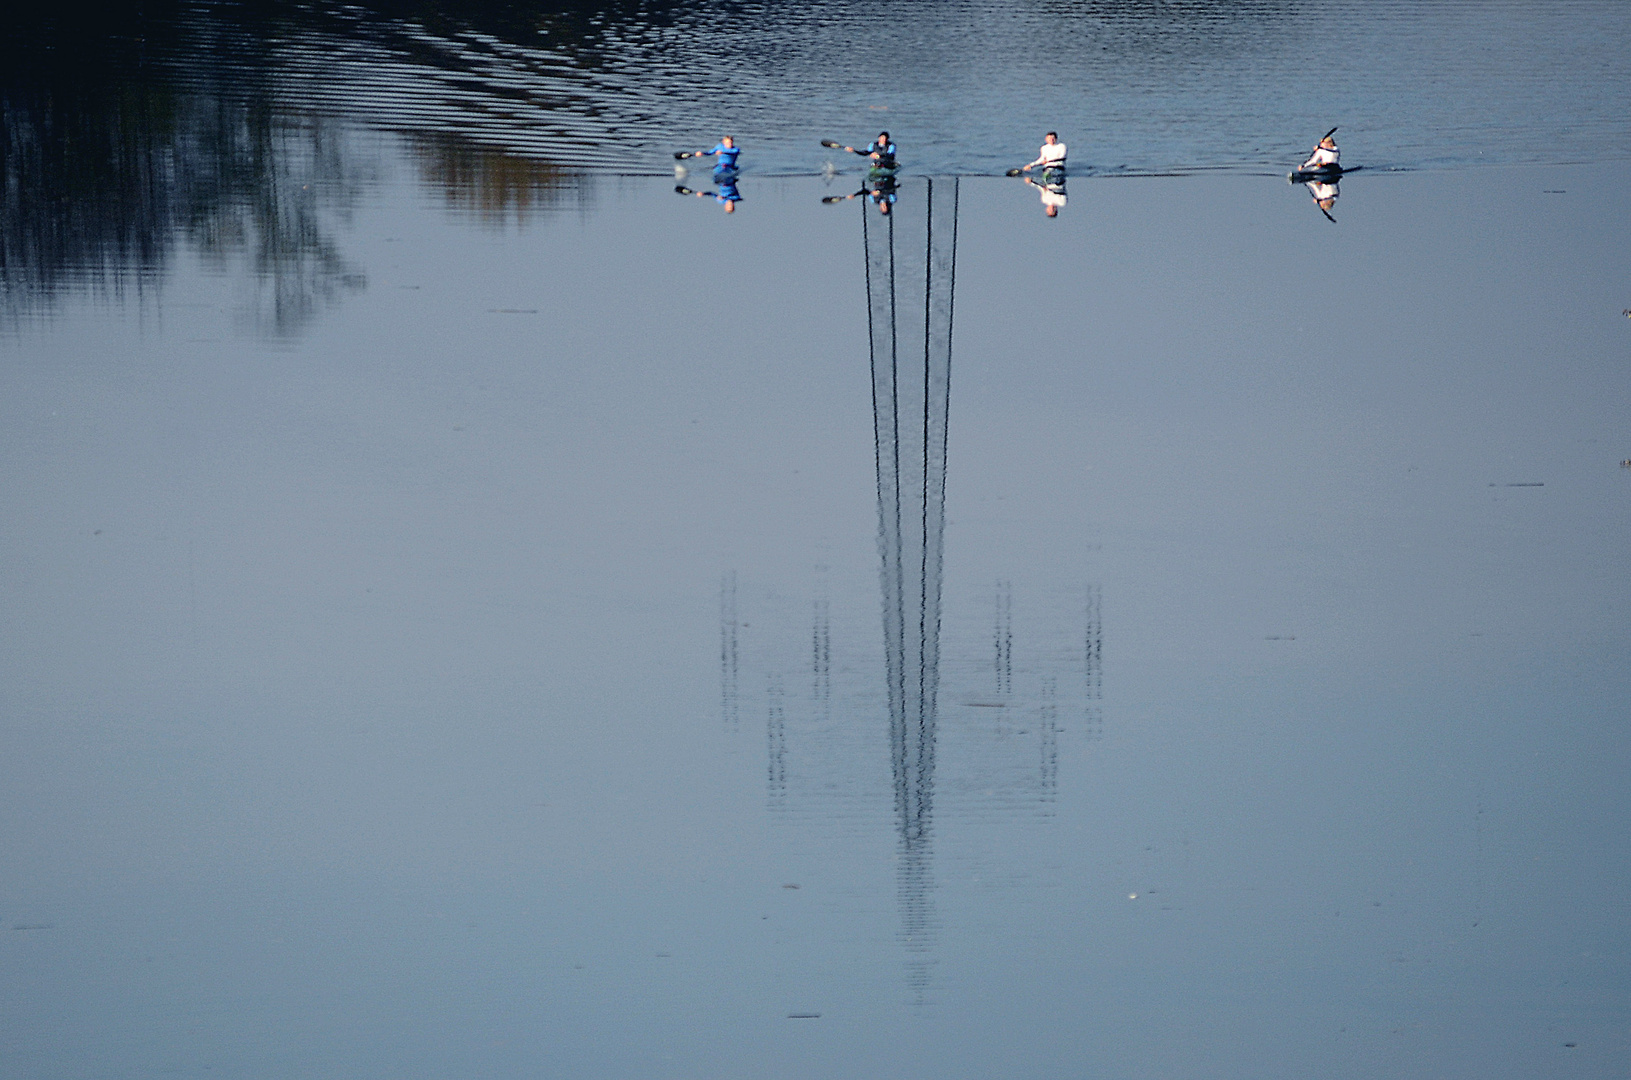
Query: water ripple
(1144, 86)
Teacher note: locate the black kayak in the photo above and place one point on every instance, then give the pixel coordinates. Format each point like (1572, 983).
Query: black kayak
(1327, 174)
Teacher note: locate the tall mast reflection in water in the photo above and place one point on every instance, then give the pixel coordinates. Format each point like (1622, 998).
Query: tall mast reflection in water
(911, 394)
(975, 707)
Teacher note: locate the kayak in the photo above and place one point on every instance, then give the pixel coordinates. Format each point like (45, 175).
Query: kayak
(882, 170)
(1327, 174)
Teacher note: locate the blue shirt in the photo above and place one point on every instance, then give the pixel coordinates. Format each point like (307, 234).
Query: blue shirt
(727, 155)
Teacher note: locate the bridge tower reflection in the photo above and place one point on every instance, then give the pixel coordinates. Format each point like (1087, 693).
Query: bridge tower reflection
(911, 267)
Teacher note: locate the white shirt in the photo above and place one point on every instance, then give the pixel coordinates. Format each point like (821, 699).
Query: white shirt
(1322, 157)
(1052, 155)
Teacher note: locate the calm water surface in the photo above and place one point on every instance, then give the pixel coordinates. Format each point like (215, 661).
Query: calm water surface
(466, 616)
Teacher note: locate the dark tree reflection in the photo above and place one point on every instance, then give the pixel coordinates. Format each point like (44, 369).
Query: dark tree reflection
(493, 186)
(107, 168)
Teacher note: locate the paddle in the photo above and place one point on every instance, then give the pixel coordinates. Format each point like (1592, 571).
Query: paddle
(829, 200)
(829, 144)
(839, 146)
(1333, 167)
(1048, 167)
(681, 155)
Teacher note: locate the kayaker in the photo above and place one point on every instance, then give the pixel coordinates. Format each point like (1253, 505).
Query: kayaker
(1053, 196)
(880, 150)
(1052, 155)
(1325, 194)
(726, 151)
(1326, 156)
(727, 195)
(882, 194)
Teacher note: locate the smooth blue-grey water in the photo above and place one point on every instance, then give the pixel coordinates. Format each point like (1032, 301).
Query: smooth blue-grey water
(463, 616)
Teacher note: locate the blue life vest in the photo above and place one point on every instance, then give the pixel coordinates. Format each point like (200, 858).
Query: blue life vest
(727, 156)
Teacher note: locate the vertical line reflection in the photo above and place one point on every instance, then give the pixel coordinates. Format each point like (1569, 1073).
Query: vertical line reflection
(1050, 742)
(1003, 638)
(1094, 664)
(776, 740)
(910, 420)
(728, 697)
(821, 647)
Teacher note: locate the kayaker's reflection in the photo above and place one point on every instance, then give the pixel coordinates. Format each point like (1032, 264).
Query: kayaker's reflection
(1052, 189)
(881, 190)
(1325, 193)
(725, 194)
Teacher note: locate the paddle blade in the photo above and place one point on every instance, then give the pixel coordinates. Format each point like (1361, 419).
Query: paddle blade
(681, 189)
(1328, 134)
(829, 144)
(1013, 172)
(830, 199)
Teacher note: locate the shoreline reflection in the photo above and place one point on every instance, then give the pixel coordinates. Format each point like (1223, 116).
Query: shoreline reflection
(105, 188)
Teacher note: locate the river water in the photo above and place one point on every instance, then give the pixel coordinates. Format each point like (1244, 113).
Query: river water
(472, 609)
